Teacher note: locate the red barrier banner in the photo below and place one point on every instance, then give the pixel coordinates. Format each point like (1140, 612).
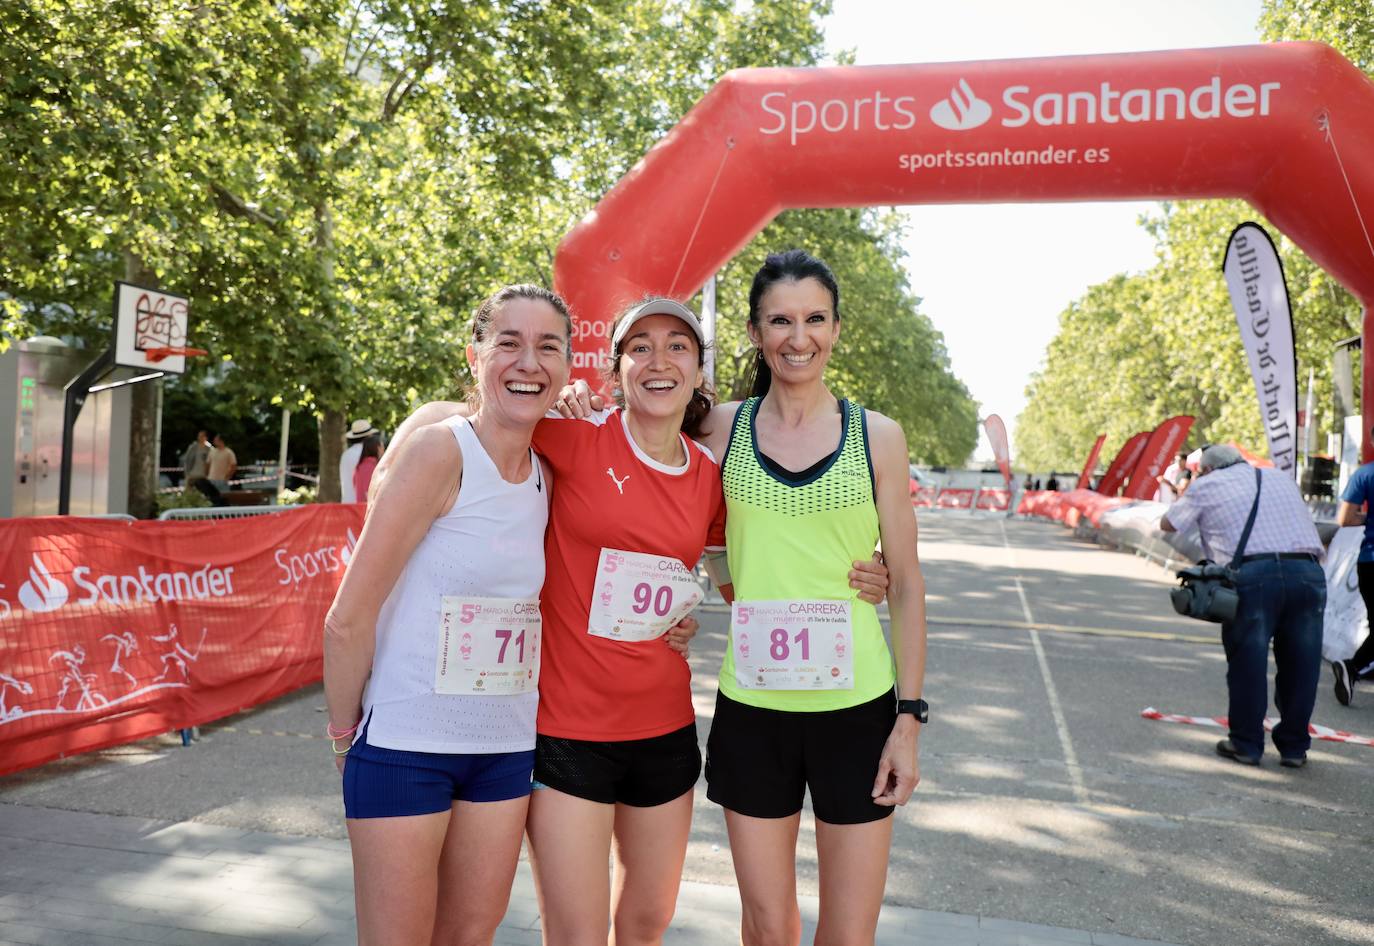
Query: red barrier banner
(1126, 460)
(997, 436)
(1093, 454)
(1161, 446)
(995, 499)
(955, 499)
(111, 632)
(925, 496)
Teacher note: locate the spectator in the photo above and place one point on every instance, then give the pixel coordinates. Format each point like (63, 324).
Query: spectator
(196, 460)
(348, 463)
(1282, 591)
(1037, 485)
(1358, 492)
(222, 465)
(371, 455)
(1168, 491)
(1185, 477)
(1028, 485)
(1053, 484)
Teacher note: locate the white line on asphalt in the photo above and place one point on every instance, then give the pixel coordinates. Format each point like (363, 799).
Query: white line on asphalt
(1080, 792)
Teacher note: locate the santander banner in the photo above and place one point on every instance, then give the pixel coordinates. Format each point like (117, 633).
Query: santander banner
(1259, 296)
(1256, 122)
(1126, 459)
(997, 436)
(1163, 444)
(112, 631)
(1091, 464)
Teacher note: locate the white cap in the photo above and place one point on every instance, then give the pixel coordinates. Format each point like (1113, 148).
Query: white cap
(657, 307)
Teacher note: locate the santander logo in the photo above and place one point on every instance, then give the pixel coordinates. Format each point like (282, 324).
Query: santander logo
(350, 542)
(42, 592)
(962, 110)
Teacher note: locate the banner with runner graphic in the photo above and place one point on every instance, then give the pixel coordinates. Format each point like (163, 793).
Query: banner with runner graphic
(1126, 459)
(111, 632)
(1259, 296)
(1154, 458)
(1088, 467)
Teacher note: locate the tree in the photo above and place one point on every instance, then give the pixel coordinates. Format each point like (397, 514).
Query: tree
(337, 184)
(1138, 348)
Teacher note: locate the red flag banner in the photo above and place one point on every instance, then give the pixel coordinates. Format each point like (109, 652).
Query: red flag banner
(1161, 446)
(997, 436)
(1086, 475)
(1126, 459)
(111, 632)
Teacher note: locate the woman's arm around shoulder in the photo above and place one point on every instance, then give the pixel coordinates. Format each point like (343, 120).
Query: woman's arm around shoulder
(423, 484)
(715, 429)
(434, 412)
(899, 769)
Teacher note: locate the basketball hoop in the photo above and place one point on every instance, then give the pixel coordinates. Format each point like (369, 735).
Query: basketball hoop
(154, 355)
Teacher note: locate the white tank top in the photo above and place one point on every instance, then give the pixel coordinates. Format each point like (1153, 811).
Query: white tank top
(490, 544)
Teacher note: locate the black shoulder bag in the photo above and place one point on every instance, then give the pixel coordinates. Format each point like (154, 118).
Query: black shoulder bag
(1207, 591)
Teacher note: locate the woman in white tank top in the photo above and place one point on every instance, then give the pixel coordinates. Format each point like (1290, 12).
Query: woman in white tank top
(431, 648)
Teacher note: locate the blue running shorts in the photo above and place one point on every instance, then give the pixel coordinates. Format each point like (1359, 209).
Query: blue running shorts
(390, 783)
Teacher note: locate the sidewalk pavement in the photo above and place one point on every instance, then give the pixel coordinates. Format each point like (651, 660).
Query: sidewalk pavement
(78, 879)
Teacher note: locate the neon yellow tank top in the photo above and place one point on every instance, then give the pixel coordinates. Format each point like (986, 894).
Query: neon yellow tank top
(790, 542)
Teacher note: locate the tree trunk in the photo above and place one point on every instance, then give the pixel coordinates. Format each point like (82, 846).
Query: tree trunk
(332, 420)
(331, 450)
(143, 433)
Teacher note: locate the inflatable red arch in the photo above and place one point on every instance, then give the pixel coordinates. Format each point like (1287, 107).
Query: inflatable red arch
(1288, 126)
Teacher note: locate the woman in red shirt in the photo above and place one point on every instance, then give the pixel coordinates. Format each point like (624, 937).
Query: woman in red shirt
(367, 465)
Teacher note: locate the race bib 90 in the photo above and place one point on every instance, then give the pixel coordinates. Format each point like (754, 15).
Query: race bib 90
(792, 645)
(487, 645)
(637, 597)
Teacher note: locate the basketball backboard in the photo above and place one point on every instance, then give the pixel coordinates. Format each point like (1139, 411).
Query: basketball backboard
(147, 323)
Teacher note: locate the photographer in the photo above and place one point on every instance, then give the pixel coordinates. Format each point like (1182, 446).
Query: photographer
(1282, 591)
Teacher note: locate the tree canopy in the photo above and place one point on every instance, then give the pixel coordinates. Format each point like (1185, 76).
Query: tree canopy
(336, 184)
(1141, 347)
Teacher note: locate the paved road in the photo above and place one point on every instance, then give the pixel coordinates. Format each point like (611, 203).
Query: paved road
(1045, 798)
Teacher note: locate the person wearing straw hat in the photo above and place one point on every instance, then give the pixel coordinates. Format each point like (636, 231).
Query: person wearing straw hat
(360, 431)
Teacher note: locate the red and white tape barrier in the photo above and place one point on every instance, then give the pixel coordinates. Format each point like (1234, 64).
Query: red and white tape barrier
(1325, 733)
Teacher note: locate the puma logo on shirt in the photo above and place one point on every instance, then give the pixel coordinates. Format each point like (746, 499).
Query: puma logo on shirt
(619, 483)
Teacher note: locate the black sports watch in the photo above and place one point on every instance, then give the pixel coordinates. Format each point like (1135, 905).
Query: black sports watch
(918, 708)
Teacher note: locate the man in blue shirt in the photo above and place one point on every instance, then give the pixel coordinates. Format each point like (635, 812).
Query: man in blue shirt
(1358, 492)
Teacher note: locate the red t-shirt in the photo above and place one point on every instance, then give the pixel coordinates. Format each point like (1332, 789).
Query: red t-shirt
(362, 477)
(607, 493)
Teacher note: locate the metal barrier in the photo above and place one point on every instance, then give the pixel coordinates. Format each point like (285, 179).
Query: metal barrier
(222, 512)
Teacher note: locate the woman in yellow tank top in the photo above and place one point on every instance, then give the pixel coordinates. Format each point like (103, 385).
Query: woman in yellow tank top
(807, 695)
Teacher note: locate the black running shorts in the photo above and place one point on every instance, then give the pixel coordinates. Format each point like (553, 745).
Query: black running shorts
(638, 772)
(760, 762)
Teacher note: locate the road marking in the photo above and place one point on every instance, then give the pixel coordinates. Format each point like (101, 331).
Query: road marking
(1070, 629)
(714, 608)
(262, 732)
(1080, 792)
